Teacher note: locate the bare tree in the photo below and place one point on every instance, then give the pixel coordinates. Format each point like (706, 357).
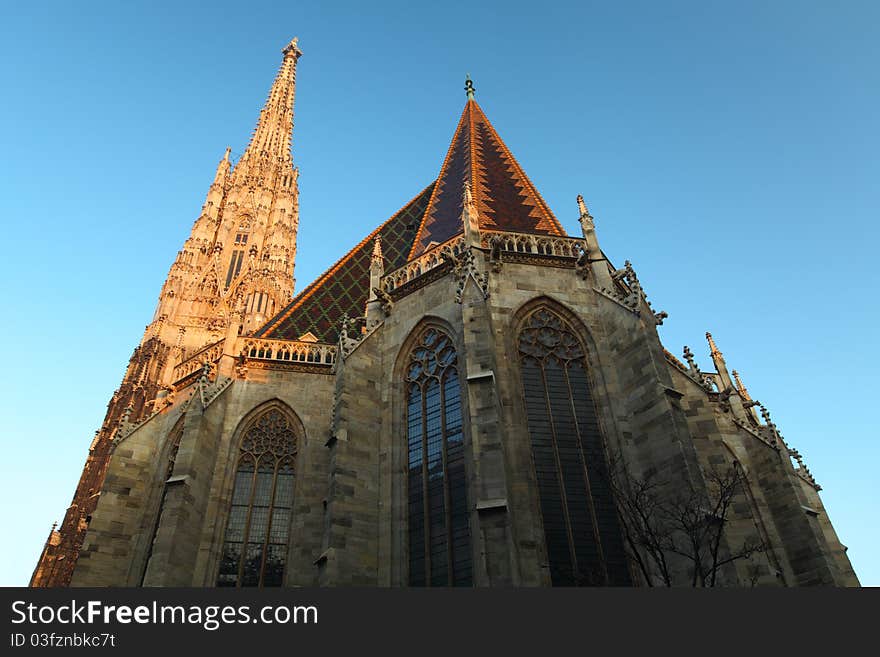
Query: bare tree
(689, 523)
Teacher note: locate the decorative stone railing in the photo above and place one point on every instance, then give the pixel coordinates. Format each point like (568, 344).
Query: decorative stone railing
(210, 353)
(288, 351)
(548, 245)
(551, 245)
(430, 259)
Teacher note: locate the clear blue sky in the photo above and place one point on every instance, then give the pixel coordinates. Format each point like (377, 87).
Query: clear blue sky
(729, 150)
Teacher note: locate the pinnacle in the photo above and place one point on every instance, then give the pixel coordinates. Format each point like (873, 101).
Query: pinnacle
(712, 346)
(272, 134)
(292, 48)
(377, 247)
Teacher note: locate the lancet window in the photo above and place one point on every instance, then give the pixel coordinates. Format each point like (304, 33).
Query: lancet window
(257, 531)
(174, 439)
(234, 266)
(581, 530)
(439, 542)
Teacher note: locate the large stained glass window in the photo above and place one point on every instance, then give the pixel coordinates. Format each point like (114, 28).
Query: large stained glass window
(255, 545)
(439, 535)
(581, 531)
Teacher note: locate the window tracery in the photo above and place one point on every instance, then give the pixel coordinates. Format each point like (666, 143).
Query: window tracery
(438, 530)
(583, 539)
(257, 530)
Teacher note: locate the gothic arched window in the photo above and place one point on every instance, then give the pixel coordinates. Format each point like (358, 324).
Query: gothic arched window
(255, 545)
(174, 446)
(439, 535)
(584, 543)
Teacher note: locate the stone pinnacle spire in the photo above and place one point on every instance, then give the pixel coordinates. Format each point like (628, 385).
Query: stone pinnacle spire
(377, 249)
(271, 138)
(712, 346)
(739, 386)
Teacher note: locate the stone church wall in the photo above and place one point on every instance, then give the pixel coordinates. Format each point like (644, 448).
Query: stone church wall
(350, 505)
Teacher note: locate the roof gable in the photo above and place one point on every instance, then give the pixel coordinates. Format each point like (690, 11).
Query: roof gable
(505, 197)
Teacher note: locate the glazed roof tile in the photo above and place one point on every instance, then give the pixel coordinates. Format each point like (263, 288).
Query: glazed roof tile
(344, 288)
(505, 199)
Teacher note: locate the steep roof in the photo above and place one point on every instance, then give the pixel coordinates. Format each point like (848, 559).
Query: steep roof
(505, 197)
(344, 288)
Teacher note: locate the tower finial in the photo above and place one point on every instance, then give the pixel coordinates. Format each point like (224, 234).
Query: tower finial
(469, 86)
(292, 48)
(272, 136)
(585, 218)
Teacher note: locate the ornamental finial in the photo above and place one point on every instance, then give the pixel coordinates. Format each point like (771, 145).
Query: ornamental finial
(712, 346)
(377, 248)
(739, 386)
(292, 48)
(469, 87)
(584, 217)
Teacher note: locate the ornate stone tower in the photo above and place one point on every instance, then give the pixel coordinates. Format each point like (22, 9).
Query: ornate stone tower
(233, 273)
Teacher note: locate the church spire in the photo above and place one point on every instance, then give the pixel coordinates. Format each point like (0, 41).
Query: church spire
(223, 168)
(271, 138)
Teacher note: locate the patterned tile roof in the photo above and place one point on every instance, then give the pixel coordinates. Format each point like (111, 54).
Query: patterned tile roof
(343, 289)
(505, 197)
(506, 200)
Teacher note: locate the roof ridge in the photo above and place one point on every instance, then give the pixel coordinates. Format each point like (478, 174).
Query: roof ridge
(437, 180)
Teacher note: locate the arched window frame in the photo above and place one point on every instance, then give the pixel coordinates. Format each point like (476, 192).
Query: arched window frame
(172, 445)
(455, 477)
(611, 566)
(278, 512)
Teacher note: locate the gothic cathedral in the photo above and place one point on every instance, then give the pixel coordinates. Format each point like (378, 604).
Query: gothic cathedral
(468, 397)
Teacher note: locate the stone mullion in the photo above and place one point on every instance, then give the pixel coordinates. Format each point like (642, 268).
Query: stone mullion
(592, 509)
(426, 522)
(560, 474)
(247, 524)
(269, 522)
(447, 498)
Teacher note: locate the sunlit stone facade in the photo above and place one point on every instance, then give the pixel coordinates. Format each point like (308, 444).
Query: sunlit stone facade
(468, 397)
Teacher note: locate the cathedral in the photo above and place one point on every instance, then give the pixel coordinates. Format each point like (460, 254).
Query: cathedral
(468, 397)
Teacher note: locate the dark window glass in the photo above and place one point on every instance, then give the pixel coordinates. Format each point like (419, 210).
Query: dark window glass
(234, 266)
(581, 531)
(257, 531)
(438, 530)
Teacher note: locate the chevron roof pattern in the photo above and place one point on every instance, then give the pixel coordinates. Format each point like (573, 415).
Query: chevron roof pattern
(505, 199)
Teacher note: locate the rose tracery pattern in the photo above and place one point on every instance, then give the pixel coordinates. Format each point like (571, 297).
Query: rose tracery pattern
(544, 335)
(255, 547)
